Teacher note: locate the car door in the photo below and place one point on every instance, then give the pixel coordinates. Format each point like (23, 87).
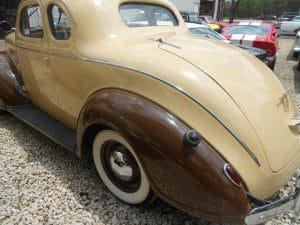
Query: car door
(63, 68)
(32, 52)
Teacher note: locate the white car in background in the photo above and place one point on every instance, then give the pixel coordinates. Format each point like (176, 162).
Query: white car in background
(290, 27)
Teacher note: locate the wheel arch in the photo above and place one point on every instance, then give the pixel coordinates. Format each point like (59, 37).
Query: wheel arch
(174, 172)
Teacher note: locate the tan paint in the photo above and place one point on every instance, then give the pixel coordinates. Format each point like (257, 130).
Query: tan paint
(223, 84)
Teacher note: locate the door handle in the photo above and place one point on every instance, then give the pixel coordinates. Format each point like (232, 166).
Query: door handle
(45, 58)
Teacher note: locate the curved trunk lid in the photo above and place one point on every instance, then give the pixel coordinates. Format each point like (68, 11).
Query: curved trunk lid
(253, 87)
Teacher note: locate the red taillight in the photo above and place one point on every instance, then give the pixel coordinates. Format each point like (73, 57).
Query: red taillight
(232, 176)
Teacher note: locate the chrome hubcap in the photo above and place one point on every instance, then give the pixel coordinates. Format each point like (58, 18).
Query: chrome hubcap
(121, 166)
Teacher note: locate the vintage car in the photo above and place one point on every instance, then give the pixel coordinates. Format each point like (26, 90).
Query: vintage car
(255, 34)
(203, 30)
(142, 96)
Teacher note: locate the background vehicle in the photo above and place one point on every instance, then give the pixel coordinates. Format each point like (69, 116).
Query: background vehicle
(290, 27)
(215, 25)
(287, 16)
(255, 34)
(207, 31)
(191, 17)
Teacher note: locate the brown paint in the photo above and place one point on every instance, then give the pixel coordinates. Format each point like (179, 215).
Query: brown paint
(11, 93)
(189, 179)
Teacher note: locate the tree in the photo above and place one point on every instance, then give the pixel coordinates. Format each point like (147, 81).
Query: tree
(233, 8)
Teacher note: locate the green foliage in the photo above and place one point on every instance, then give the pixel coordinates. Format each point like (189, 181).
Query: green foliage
(253, 8)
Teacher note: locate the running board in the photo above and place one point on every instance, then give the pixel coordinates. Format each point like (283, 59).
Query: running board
(41, 121)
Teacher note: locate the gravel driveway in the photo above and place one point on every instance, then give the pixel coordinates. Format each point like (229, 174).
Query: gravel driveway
(41, 183)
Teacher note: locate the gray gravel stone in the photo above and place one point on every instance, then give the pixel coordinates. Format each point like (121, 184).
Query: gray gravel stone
(41, 183)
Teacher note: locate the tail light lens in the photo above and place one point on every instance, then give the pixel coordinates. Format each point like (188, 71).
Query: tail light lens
(232, 175)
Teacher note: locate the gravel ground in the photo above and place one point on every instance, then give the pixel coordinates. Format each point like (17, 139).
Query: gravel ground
(41, 183)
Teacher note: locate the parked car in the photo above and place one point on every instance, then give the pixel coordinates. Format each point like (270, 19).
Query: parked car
(290, 27)
(192, 17)
(286, 16)
(255, 34)
(205, 134)
(203, 30)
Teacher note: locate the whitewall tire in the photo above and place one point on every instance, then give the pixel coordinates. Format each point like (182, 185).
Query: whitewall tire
(120, 169)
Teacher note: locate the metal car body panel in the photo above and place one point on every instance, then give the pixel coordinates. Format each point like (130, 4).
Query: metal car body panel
(145, 125)
(235, 108)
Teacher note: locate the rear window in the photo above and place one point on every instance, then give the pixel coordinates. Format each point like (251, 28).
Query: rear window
(144, 15)
(249, 30)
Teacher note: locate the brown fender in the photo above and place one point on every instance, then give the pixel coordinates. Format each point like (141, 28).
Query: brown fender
(11, 93)
(190, 179)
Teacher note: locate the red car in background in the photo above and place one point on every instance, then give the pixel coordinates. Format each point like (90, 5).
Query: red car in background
(255, 34)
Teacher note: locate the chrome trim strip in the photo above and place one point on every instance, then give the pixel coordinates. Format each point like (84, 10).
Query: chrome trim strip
(248, 150)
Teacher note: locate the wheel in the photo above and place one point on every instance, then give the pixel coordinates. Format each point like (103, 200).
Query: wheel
(120, 169)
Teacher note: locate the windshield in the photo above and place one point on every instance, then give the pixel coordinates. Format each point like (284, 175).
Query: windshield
(248, 30)
(207, 32)
(144, 15)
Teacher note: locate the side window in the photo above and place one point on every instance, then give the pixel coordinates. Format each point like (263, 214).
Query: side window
(31, 23)
(59, 23)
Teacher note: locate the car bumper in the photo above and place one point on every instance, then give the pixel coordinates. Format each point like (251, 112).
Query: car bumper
(268, 211)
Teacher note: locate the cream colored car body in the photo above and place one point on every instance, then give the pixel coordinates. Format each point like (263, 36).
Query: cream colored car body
(234, 101)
